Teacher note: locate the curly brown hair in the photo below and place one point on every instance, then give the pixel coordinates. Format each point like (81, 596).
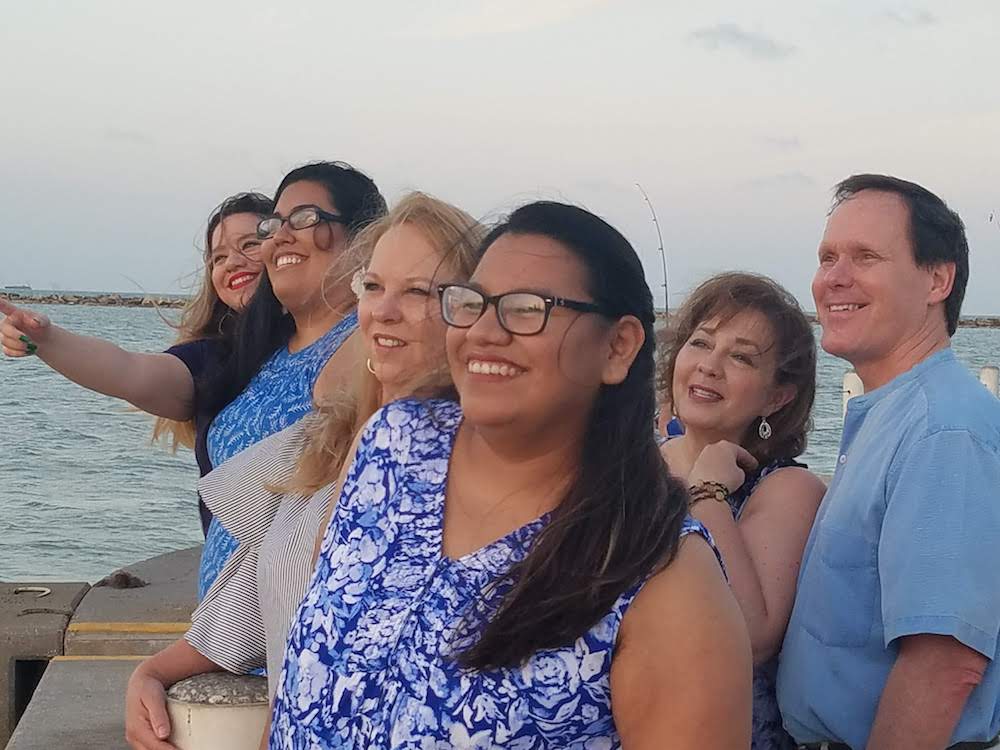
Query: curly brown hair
(726, 295)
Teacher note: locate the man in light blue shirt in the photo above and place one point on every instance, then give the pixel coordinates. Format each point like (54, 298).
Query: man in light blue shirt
(893, 639)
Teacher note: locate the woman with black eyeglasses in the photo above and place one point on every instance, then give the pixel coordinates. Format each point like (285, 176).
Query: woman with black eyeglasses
(289, 341)
(518, 569)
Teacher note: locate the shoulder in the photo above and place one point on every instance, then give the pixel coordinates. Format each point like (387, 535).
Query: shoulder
(198, 354)
(687, 605)
(953, 399)
(788, 483)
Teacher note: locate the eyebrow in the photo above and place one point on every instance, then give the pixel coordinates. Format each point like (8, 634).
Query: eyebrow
(408, 279)
(739, 339)
(238, 240)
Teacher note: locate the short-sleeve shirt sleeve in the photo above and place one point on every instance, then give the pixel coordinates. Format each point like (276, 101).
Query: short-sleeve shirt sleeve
(939, 541)
(196, 355)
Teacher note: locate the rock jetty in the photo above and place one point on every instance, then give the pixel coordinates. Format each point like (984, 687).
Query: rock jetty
(99, 300)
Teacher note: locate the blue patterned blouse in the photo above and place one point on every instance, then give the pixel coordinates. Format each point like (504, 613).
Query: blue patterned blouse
(367, 663)
(280, 394)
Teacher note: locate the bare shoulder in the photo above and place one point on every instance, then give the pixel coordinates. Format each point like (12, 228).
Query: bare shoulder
(683, 652)
(692, 583)
(788, 487)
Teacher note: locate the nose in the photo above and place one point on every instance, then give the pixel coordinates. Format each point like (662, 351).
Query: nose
(234, 260)
(709, 363)
(487, 330)
(386, 309)
(283, 235)
(839, 273)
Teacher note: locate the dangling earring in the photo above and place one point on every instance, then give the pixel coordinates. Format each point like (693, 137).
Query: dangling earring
(368, 364)
(764, 430)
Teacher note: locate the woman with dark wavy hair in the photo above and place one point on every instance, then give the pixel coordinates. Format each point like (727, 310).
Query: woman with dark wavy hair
(740, 372)
(518, 569)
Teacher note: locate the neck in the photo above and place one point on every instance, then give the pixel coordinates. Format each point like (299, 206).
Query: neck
(314, 319)
(908, 353)
(524, 460)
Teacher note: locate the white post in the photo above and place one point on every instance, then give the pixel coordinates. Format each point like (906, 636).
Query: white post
(852, 387)
(990, 377)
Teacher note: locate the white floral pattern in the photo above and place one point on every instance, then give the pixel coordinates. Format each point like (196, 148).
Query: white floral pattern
(368, 659)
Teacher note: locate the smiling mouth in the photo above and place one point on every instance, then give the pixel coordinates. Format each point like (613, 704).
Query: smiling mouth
(388, 342)
(502, 369)
(288, 260)
(703, 394)
(844, 308)
(240, 280)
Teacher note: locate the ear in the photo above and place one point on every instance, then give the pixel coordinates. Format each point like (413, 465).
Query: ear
(781, 396)
(626, 339)
(942, 278)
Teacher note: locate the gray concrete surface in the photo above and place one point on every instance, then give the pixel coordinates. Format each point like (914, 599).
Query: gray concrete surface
(32, 625)
(80, 703)
(138, 621)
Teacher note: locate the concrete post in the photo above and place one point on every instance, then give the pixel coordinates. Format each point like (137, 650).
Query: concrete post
(852, 386)
(990, 377)
(218, 711)
(33, 618)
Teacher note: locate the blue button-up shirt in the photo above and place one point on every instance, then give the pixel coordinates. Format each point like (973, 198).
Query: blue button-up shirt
(906, 541)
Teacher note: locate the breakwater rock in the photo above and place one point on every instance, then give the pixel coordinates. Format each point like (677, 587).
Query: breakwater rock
(99, 300)
(971, 321)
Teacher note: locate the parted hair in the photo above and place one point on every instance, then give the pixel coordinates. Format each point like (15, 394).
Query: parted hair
(724, 296)
(335, 421)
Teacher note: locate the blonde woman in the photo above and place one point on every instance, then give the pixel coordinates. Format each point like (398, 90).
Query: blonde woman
(273, 497)
(167, 384)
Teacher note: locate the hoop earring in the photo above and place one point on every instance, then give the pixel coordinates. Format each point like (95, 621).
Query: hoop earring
(368, 364)
(764, 430)
(222, 320)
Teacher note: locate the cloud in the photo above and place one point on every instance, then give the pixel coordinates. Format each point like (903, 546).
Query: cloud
(128, 137)
(911, 17)
(749, 43)
(503, 17)
(781, 142)
(784, 180)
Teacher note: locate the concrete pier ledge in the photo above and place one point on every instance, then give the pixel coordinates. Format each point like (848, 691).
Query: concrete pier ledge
(70, 651)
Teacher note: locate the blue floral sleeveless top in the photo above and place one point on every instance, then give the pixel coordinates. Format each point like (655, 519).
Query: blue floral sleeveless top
(280, 394)
(368, 661)
(768, 732)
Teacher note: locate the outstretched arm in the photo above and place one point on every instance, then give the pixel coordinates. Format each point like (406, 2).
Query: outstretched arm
(156, 383)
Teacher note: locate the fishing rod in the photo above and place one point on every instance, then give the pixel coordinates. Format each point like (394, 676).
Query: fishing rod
(663, 255)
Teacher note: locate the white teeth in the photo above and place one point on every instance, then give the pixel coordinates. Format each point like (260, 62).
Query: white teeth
(479, 367)
(844, 308)
(288, 260)
(382, 341)
(702, 393)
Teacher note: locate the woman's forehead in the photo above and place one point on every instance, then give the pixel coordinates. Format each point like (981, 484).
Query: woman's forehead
(531, 261)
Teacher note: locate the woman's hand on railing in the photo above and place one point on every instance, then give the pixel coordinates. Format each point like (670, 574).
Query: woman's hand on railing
(147, 724)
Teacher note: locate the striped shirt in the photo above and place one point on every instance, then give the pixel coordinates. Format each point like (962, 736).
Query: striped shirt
(243, 621)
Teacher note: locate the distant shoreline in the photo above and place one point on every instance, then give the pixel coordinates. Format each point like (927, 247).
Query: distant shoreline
(100, 299)
(95, 299)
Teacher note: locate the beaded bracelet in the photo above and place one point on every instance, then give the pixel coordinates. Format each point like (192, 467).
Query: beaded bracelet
(708, 491)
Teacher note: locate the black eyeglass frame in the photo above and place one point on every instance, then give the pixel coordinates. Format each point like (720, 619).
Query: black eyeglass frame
(550, 303)
(321, 216)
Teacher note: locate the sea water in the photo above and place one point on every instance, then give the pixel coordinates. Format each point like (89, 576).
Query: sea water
(82, 490)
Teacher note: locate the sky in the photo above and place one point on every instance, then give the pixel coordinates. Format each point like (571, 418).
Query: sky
(122, 124)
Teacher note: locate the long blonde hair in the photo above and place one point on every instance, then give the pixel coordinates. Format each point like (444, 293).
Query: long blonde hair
(333, 424)
(205, 316)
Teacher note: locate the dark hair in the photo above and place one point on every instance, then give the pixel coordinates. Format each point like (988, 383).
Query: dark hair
(620, 520)
(726, 295)
(264, 327)
(937, 233)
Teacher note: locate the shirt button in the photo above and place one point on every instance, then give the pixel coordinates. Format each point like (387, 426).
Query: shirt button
(843, 459)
